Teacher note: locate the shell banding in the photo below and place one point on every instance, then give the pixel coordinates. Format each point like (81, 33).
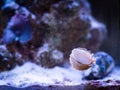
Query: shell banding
(81, 58)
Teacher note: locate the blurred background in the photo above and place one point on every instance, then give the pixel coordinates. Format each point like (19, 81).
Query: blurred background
(46, 18)
(107, 12)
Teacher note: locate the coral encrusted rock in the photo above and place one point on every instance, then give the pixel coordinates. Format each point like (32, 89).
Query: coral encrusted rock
(62, 24)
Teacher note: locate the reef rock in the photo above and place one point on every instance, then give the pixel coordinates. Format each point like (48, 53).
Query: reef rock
(63, 25)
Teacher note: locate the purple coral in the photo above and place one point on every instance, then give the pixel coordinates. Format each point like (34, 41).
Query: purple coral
(18, 29)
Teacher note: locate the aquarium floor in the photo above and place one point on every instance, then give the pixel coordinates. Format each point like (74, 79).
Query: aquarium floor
(31, 74)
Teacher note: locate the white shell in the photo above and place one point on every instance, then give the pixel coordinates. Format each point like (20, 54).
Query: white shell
(81, 59)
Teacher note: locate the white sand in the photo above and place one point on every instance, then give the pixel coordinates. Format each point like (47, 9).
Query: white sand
(30, 74)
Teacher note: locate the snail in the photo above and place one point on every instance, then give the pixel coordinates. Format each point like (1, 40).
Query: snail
(103, 66)
(99, 64)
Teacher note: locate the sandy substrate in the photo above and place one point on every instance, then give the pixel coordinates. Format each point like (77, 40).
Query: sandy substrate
(31, 74)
